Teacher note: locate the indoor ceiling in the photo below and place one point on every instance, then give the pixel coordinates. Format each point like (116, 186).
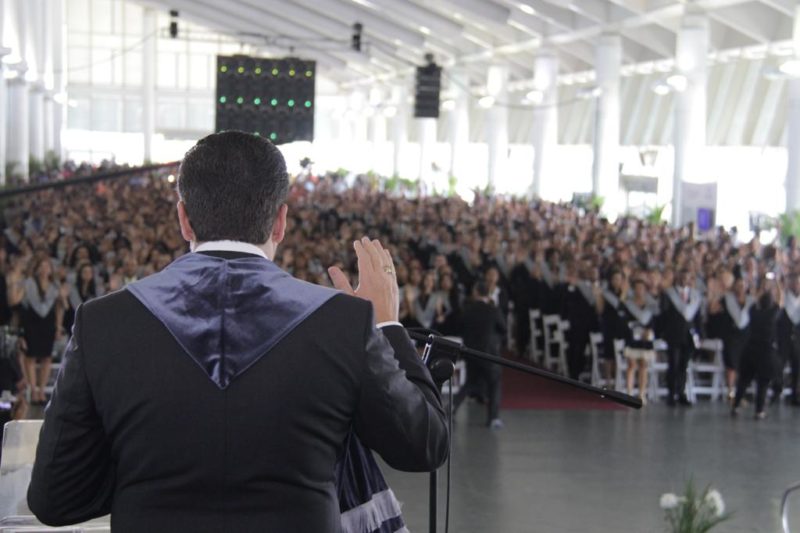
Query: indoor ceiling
(474, 33)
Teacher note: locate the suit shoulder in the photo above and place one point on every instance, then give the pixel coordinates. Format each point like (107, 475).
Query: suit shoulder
(111, 302)
(350, 308)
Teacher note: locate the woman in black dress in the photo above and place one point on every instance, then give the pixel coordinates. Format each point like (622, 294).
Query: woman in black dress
(41, 321)
(641, 311)
(760, 355)
(86, 287)
(613, 316)
(729, 320)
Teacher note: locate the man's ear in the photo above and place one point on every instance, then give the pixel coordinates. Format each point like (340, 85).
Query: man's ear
(186, 227)
(279, 227)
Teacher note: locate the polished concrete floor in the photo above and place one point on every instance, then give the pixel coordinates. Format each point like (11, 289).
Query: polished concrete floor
(604, 471)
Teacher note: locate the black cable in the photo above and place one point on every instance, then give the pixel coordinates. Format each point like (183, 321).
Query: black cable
(449, 459)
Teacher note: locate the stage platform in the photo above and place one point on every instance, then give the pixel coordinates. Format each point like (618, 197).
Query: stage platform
(571, 471)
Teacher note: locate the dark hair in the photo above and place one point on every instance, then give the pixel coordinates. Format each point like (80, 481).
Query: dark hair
(481, 289)
(232, 184)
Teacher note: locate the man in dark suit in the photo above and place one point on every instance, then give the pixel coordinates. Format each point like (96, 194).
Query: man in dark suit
(483, 328)
(679, 323)
(218, 394)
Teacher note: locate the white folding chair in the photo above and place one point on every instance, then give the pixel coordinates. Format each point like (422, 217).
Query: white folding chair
(595, 344)
(554, 343)
(621, 364)
(656, 369)
(534, 353)
(706, 375)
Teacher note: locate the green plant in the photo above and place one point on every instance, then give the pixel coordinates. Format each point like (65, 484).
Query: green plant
(52, 161)
(452, 181)
(596, 203)
(11, 170)
(694, 512)
(656, 214)
(35, 166)
(789, 224)
(391, 184)
(342, 172)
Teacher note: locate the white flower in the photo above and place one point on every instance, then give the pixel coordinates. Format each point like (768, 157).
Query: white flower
(714, 500)
(669, 501)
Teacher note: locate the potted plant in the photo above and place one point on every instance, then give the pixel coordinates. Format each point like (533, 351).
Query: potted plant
(694, 512)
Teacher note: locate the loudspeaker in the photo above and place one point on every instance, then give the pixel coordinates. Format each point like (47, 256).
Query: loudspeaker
(428, 84)
(269, 97)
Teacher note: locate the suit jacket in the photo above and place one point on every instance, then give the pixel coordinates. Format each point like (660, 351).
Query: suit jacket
(483, 328)
(673, 326)
(137, 429)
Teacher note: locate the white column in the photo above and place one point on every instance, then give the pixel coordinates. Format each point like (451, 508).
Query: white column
(149, 59)
(690, 109)
(426, 136)
(793, 148)
(3, 116)
(17, 140)
(459, 122)
(399, 125)
(36, 121)
(49, 123)
(38, 57)
(605, 169)
(59, 78)
(497, 123)
(545, 118)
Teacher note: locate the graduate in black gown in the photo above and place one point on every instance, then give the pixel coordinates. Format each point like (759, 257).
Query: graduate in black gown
(613, 317)
(789, 333)
(578, 306)
(679, 324)
(735, 327)
(759, 358)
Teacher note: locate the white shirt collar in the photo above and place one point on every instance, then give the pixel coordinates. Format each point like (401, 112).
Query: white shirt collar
(231, 246)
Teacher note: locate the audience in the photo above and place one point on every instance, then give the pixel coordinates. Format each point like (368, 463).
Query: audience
(629, 279)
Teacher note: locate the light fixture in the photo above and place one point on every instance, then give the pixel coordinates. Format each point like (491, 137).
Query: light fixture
(661, 88)
(389, 111)
(171, 178)
(535, 97)
(528, 10)
(425, 30)
(486, 102)
(791, 67)
(588, 93)
(679, 82)
(449, 105)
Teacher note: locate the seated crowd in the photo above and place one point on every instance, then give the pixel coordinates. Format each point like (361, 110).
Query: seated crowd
(629, 280)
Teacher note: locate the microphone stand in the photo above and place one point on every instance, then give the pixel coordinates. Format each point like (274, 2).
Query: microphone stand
(440, 356)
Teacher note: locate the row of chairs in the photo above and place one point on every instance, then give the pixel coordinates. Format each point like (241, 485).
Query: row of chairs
(548, 348)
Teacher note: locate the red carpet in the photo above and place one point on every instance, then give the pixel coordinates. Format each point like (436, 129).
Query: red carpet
(522, 391)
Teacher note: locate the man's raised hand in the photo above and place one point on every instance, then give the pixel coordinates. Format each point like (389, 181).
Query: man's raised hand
(377, 281)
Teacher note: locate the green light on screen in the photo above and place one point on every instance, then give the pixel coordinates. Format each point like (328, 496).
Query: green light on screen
(258, 70)
(274, 102)
(240, 100)
(222, 99)
(308, 103)
(240, 70)
(309, 74)
(223, 68)
(275, 72)
(290, 103)
(273, 135)
(257, 101)
(257, 134)
(291, 72)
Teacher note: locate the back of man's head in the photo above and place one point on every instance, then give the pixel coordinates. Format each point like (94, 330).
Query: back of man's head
(480, 290)
(232, 184)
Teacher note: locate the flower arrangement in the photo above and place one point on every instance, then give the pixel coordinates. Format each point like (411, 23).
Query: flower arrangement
(694, 512)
